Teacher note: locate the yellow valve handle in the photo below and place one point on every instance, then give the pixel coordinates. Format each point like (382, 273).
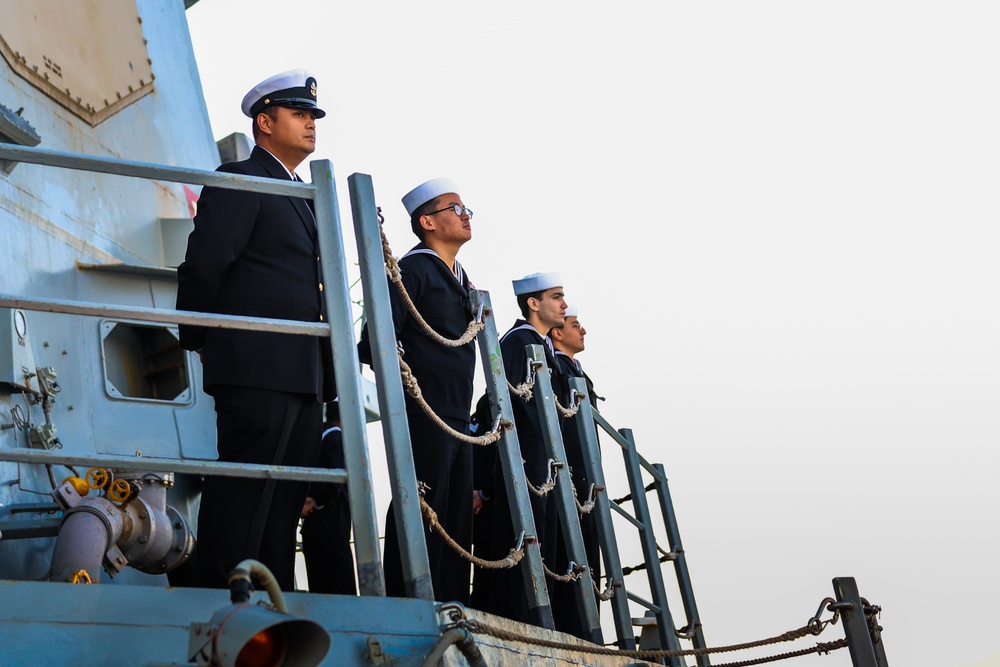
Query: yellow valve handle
(119, 491)
(80, 577)
(79, 485)
(97, 478)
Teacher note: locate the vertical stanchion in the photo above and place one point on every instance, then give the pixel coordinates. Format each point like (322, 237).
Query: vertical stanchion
(859, 640)
(336, 292)
(602, 511)
(569, 519)
(395, 428)
(664, 621)
(513, 468)
(680, 564)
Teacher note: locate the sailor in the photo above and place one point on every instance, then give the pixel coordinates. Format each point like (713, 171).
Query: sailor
(568, 341)
(326, 523)
(257, 255)
(439, 288)
(540, 298)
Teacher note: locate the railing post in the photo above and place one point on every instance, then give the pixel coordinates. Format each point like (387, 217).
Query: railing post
(395, 427)
(602, 510)
(565, 500)
(513, 468)
(336, 291)
(859, 640)
(680, 564)
(664, 621)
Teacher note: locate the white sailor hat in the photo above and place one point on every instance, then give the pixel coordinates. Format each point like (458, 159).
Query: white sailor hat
(572, 311)
(295, 88)
(536, 282)
(425, 192)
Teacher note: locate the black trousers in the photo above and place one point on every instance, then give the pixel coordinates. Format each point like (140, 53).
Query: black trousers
(565, 609)
(503, 592)
(254, 518)
(326, 546)
(445, 465)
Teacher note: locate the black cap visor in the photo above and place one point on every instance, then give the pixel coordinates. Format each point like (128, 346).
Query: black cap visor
(293, 98)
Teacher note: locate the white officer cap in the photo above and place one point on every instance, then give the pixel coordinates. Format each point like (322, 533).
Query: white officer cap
(536, 282)
(425, 192)
(572, 311)
(295, 89)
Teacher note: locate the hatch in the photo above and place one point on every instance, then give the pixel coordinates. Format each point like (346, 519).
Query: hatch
(89, 56)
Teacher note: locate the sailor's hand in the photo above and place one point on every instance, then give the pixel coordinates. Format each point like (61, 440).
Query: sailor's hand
(309, 506)
(477, 502)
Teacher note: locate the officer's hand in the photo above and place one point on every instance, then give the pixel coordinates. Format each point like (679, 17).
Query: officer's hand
(309, 506)
(477, 502)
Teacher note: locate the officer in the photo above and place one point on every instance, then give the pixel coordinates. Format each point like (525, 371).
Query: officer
(257, 255)
(439, 288)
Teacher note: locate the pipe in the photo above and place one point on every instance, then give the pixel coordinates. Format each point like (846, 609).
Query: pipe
(96, 534)
(465, 642)
(254, 568)
(86, 533)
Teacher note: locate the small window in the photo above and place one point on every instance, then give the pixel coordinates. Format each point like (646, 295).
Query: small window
(144, 362)
(15, 130)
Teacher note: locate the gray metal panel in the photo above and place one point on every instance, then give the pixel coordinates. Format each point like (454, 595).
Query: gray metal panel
(513, 466)
(569, 518)
(371, 580)
(60, 624)
(395, 429)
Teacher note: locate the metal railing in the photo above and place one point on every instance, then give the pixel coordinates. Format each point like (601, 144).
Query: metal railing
(339, 330)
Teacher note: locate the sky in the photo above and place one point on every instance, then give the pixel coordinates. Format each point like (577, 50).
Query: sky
(779, 223)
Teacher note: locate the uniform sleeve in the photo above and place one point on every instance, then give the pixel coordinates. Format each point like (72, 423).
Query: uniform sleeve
(515, 359)
(222, 230)
(331, 456)
(400, 313)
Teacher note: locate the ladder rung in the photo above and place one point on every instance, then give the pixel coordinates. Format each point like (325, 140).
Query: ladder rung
(631, 519)
(644, 602)
(668, 555)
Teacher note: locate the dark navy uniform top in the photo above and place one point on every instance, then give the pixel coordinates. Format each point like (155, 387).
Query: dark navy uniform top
(570, 368)
(445, 374)
(526, 417)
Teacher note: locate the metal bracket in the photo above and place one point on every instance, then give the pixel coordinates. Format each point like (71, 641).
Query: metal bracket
(375, 652)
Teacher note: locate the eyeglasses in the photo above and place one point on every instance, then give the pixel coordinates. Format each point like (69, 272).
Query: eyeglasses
(457, 208)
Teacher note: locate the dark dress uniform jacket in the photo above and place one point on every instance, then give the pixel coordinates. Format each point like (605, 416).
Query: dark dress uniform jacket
(258, 255)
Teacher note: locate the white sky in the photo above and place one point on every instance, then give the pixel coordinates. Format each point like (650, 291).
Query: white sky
(779, 221)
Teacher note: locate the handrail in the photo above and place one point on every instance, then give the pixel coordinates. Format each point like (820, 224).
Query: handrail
(157, 464)
(132, 169)
(340, 327)
(623, 443)
(164, 316)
